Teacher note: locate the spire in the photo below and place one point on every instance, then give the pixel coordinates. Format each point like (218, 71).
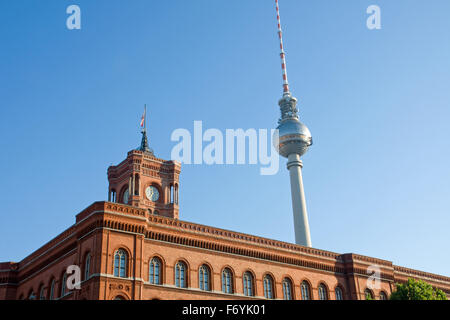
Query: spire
(288, 104)
(144, 142)
(282, 54)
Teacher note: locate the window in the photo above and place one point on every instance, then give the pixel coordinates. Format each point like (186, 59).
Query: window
(180, 275)
(203, 278)
(323, 292)
(227, 281)
(287, 289)
(383, 296)
(248, 284)
(155, 271)
(120, 263)
(52, 290)
(338, 293)
(42, 293)
(87, 266)
(63, 285)
(268, 287)
(368, 294)
(31, 296)
(305, 291)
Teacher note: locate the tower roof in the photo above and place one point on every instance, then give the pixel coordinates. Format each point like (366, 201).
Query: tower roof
(144, 143)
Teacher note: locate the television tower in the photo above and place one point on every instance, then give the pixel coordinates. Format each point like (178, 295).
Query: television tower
(292, 142)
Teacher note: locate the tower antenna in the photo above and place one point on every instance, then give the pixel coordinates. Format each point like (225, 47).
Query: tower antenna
(282, 53)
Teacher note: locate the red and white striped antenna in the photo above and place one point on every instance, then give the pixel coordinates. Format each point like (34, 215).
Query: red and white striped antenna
(282, 54)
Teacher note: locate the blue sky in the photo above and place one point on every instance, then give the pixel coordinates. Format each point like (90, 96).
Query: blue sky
(377, 178)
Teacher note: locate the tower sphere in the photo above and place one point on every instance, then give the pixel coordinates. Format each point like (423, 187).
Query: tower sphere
(293, 138)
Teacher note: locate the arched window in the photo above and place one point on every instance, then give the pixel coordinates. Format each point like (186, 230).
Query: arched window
(63, 285)
(126, 195)
(42, 293)
(136, 184)
(87, 266)
(180, 275)
(32, 296)
(155, 271)
(52, 290)
(383, 295)
(305, 291)
(120, 263)
(338, 293)
(368, 294)
(155, 212)
(248, 284)
(268, 287)
(171, 193)
(287, 289)
(203, 278)
(227, 281)
(323, 295)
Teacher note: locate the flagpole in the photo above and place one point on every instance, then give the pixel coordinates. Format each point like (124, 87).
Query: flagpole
(145, 117)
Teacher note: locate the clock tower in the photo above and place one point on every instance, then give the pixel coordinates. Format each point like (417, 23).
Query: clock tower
(145, 181)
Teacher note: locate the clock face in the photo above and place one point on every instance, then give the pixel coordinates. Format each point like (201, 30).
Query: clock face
(152, 193)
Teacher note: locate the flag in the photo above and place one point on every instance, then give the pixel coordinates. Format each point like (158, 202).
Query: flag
(143, 118)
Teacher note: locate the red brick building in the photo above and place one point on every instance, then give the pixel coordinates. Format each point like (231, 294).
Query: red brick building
(135, 247)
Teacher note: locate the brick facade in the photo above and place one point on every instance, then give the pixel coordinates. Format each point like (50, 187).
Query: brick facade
(105, 227)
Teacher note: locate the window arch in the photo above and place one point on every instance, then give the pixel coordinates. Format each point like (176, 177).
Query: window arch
(383, 295)
(338, 293)
(63, 284)
(87, 266)
(227, 281)
(323, 294)
(31, 296)
(204, 276)
(368, 294)
(306, 291)
(120, 263)
(154, 274)
(180, 275)
(52, 290)
(136, 184)
(248, 284)
(268, 287)
(42, 292)
(287, 289)
(125, 195)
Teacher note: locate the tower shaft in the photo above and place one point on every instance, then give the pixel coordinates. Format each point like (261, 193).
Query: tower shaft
(301, 225)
